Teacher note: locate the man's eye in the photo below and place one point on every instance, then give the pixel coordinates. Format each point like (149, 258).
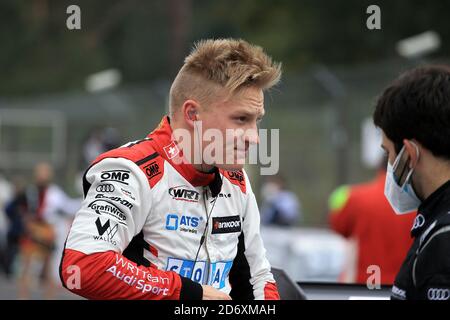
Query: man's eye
(241, 119)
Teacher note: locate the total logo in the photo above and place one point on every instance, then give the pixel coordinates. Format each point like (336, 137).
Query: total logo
(196, 271)
(182, 223)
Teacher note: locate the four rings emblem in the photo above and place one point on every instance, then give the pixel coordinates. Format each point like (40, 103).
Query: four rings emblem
(419, 221)
(107, 187)
(438, 294)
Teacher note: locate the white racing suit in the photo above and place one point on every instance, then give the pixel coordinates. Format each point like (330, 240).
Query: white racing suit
(139, 232)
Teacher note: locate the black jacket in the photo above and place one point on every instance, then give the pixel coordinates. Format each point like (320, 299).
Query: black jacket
(425, 273)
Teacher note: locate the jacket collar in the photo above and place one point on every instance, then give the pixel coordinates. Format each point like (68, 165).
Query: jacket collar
(433, 206)
(168, 148)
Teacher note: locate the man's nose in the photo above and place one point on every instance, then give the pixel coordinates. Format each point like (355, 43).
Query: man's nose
(252, 136)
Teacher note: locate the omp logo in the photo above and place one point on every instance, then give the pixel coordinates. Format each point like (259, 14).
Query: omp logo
(115, 175)
(152, 169)
(181, 193)
(103, 207)
(237, 176)
(107, 187)
(438, 294)
(226, 224)
(182, 223)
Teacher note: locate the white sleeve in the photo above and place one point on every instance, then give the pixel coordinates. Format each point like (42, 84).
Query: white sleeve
(114, 209)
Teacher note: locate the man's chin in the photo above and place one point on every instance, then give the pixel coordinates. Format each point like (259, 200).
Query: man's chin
(230, 167)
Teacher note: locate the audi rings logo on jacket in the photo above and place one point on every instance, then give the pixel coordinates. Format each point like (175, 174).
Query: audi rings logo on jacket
(438, 294)
(419, 221)
(107, 187)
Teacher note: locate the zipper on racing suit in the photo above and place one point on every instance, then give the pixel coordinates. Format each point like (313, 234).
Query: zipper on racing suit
(205, 199)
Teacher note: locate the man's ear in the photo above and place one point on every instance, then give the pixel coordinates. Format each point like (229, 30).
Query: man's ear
(412, 148)
(190, 111)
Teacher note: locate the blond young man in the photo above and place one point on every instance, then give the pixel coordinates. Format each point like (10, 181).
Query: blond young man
(162, 218)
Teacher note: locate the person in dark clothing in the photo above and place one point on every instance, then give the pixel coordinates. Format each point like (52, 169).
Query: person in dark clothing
(15, 211)
(414, 115)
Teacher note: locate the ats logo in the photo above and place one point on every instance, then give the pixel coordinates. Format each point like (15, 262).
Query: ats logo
(182, 223)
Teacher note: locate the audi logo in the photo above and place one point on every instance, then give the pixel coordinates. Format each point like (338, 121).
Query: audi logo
(105, 188)
(438, 294)
(419, 221)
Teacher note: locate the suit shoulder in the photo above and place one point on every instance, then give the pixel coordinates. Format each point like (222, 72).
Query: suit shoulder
(143, 154)
(236, 178)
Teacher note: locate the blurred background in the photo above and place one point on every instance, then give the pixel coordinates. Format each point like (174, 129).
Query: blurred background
(68, 95)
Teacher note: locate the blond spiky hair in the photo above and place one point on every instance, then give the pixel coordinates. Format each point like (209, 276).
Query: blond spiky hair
(222, 64)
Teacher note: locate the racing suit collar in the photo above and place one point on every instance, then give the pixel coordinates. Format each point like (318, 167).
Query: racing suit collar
(169, 150)
(430, 208)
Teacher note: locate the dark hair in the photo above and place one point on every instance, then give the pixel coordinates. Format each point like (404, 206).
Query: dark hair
(417, 106)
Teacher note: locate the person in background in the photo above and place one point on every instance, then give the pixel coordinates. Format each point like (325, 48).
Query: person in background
(413, 114)
(280, 206)
(362, 214)
(45, 211)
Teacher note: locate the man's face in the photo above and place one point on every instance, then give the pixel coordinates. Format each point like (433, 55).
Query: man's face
(43, 174)
(236, 118)
(405, 163)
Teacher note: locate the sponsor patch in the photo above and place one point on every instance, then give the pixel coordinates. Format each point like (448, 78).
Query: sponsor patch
(106, 231)
(104, 207)
(236, 176)
(128, 194)
(183, 193)
(115, 199)
(182, 223)
(438, 294)
(107, 187)
(226, 224)
(218, 271)
(152, 170)
(119, 176)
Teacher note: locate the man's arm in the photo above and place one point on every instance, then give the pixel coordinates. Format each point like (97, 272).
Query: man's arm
(117, 201)
(250, 276)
